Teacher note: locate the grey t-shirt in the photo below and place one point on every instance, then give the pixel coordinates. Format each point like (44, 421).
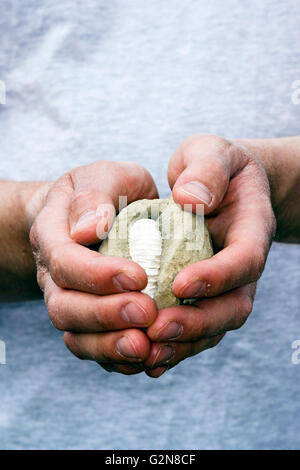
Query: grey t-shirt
(130, 80)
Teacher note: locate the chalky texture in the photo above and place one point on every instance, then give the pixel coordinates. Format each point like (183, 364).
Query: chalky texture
(145, 247)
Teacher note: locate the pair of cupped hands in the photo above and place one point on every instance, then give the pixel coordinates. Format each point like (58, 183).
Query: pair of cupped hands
(96, 299)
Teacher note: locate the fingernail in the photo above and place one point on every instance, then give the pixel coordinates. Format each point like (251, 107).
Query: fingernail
(124, 282)
(84, 221)
(196, 289)
(197, 190)
(164, 354)
(126, 348)
(134, 314)
(171, 331)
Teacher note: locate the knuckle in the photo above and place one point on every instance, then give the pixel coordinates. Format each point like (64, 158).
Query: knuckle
(132, 166)
(211, 139)
(36, 231)
(72, 345)
(244, 310)
(36, 237)
(64, 184)
(247, 305)
(103, 165)
(191, 145)
(139, 178)
(258, 263)
(33, 237)
(55, 311)
(218, 140)
(221, 146)
(54, 263)
(55, 267)
(41, 276)
(216, 144)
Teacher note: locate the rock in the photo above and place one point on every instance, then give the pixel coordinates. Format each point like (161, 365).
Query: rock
(185, 240)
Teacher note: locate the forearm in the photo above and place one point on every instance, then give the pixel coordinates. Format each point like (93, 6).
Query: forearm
(19, 203)
(281, 160)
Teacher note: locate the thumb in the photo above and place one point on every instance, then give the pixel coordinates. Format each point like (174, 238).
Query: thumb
(199, 174)
(91, 216)
(99, 190)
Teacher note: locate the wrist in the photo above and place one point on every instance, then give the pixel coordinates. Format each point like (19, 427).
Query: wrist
(20, 203)
(281, 160)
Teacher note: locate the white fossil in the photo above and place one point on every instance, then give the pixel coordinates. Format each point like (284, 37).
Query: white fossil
(145, 246)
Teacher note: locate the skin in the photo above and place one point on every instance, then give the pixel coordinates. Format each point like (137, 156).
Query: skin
(246, 186)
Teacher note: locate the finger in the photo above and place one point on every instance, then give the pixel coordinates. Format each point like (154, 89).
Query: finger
(124, 369)
(200, 170)
(156, 372)
(96, 197)
(93, 224)
(241, 261)
(181, 351)
(244, 213)
(80, 312)
(130, 345)
(74, 266)
(207, 317)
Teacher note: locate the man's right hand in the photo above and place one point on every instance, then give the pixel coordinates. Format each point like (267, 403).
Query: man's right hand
(95, 299)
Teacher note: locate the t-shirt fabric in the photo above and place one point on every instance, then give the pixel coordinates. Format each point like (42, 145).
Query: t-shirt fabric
(130, 80)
